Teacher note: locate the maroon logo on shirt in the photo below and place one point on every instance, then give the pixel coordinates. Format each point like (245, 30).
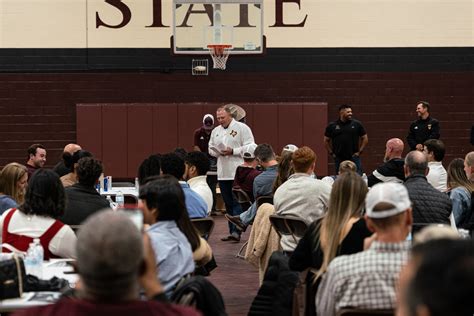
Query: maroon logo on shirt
(233, 133)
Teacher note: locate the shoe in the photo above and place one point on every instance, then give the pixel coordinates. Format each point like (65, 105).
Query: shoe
(228, 238)
(235, 237)
(237, 222)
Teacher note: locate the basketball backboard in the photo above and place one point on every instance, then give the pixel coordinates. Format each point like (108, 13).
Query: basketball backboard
(200, 23)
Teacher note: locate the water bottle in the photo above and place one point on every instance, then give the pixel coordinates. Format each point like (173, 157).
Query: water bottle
(111, 202)
(34, 259)
(120, 199)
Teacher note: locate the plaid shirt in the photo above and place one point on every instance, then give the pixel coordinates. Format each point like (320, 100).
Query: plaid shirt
(363, 280)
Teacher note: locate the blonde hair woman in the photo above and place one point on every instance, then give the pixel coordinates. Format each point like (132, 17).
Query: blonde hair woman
(460, 190)
(13, 181)
(341, 231)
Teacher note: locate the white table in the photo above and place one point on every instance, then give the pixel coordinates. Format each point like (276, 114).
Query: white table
(125, 190)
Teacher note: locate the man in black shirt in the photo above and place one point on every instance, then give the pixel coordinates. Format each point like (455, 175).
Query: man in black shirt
(345, 139)
(424, 128)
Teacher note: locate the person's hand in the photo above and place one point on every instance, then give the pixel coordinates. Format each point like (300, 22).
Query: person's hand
(357, 154)
(419, 147)
(148, 279)
(227, 152)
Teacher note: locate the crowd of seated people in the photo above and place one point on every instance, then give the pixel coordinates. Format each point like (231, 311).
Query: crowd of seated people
(356, 243)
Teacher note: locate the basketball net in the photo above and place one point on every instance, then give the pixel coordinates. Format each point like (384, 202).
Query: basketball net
(219, 54)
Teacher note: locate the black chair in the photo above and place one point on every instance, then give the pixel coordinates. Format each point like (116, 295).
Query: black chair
(288, 225)
(204, 226)
(242, 197)
(264, 199)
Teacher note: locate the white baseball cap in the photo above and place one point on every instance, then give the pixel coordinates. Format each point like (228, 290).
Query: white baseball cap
(249, 152)
(392, 193)
(291, 148)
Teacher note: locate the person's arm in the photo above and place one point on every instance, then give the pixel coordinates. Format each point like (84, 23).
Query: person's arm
(364, 140)
(460, 202)
(203, 254)
(212, 145)
(328, 145)
(434, 134)
(148, 278)
(63, 243)
(196, 141)
(411, 140)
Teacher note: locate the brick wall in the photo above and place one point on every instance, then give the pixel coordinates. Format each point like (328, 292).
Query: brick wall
(40, 107)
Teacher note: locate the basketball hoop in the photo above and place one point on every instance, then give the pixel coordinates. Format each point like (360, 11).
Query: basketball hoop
(220, 54)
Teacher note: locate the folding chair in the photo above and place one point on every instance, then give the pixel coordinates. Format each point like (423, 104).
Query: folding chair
(289, 225)
(242, 197)
(204, 226)
(264, 199)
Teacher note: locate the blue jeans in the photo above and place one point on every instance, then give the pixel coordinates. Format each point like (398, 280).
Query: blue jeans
(355, 159)
(231, 205)
(248, 216)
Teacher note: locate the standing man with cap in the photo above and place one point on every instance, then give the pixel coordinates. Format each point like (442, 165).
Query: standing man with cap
(228, 141)
(201, 143)
(424, 128)
(345, 139)
(367, 279)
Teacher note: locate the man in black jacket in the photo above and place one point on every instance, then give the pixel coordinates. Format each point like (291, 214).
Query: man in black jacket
(392, 169)
(424, 128)
(82, 198)
(429, 205)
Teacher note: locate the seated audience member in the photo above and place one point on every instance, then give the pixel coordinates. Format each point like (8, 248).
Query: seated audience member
(246, 173)
(342, 231)
(367, 279)
(438, 279)
(262, 185)
(202, 252)
(173, 165)
(60, 168)
(345, 166)
(469, 165)
(70, 161)
(459, 190)
(162, 202)
(82, 199)
(38, 217)
(13, 181)
(110, 278)
(437, 176)
(392, 168)
(197, 166)
(430, 206)
(148, 168)
(301, 195)
(36, 159)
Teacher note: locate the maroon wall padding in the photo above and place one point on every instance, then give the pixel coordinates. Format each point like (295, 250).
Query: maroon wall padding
(125, 134)
(41, 107)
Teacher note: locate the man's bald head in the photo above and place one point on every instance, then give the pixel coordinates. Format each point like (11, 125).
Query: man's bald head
(71, 148)
(393, 149)
(469, 165)
(416, 162)
(109, 256)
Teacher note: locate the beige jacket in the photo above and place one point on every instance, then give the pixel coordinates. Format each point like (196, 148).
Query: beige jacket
(263, 240)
